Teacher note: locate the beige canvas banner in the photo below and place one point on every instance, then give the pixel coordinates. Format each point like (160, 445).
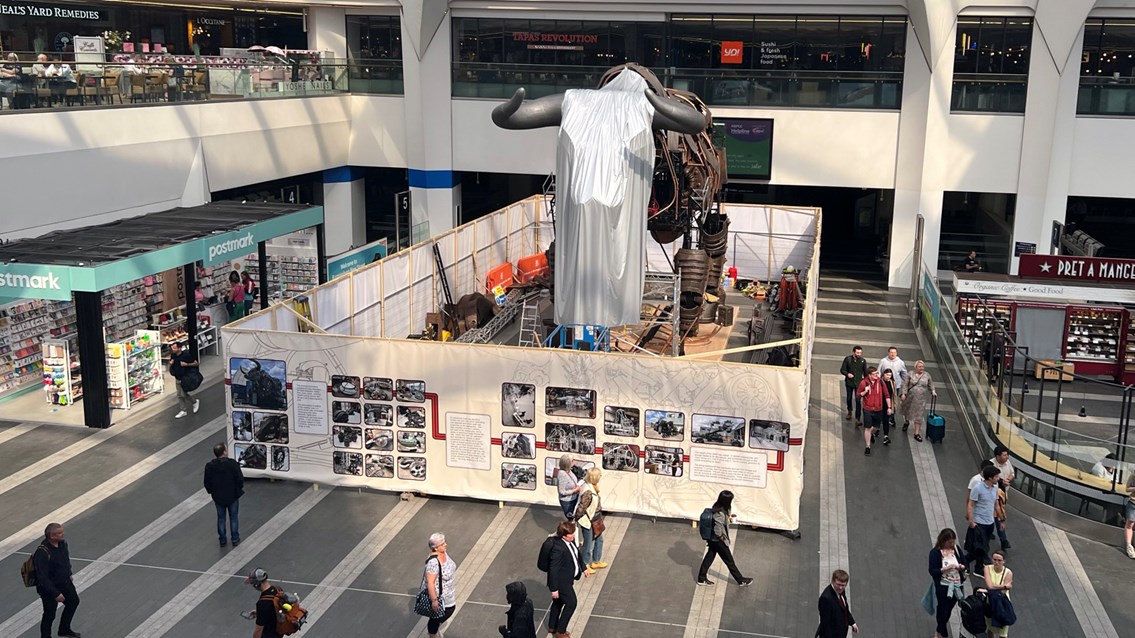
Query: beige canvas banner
(491, 422)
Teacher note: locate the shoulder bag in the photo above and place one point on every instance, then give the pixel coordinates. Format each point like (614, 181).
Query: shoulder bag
(598, 522)
(423, 606)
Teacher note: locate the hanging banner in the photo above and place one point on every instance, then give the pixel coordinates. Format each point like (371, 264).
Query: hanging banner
(357, 258)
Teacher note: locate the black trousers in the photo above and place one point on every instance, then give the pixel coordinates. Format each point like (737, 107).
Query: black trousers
(944, 610)
(853, 398)
(715, 548)
(70, 604)
(562, 609)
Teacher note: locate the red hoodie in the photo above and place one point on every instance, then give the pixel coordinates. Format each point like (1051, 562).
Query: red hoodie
(877, 394)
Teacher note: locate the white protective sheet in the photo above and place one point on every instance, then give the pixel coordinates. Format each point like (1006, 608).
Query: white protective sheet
(604, 166)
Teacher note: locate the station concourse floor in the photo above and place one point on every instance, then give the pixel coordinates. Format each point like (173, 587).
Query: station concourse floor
(143, 542)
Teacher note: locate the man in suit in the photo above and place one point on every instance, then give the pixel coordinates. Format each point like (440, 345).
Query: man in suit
(835, 613)
(565, 566)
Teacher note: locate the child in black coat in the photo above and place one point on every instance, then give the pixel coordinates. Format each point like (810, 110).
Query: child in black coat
(521, 622)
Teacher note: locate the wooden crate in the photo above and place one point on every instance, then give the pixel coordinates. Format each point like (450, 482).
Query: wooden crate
(1048, 374)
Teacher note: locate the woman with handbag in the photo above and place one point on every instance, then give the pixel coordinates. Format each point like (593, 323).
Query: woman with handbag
(947, 573)
(998, 578)
(567, 486)
(589, 517)
(437, 599)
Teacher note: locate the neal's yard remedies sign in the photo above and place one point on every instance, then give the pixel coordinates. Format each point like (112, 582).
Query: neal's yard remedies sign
(39, 11)
(748, 147)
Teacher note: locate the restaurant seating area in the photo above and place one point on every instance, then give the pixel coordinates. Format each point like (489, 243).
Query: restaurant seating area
(104, 87)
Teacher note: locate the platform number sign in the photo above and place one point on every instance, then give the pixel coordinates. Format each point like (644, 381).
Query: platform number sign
(401, 212)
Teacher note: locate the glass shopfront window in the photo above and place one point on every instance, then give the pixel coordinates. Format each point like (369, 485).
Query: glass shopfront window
(812, 61)
(374, 52)
(50, 27)
(818, 61)
(1107, 68)
(991, 64)
(493, 57)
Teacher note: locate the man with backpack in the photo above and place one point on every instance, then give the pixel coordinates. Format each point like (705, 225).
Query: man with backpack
(185, 369)
(53, 583)
(277, 613)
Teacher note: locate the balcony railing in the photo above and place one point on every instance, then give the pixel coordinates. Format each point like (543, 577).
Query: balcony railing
(718, 87)
(77, 84)
(989, 93)
(1113, 95)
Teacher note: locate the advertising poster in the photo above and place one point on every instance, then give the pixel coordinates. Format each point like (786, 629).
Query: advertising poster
(929, 303)
(748, 147)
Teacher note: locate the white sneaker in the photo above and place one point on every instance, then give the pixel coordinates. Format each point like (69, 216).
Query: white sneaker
(1130, 552)
(196, 404)
(180, 414)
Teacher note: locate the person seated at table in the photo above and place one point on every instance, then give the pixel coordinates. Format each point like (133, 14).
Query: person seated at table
(176, 77)
(134, 66)
(39, 69)
(1105, 467)
(10, 73)
(61, 70)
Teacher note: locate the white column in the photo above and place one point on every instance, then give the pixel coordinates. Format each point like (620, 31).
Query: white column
(920, 167)
(327, 30)
(435, 191)
(1046, 145)
(344, 209)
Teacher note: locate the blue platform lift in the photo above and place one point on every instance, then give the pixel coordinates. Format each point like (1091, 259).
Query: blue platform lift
(580, 337)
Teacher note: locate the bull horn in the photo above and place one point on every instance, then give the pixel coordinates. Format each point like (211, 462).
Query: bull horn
(672, 115)
(516, 114)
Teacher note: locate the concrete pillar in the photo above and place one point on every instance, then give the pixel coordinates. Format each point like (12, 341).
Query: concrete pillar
(435, 188)
(344, 209)
(920, 168)
(327, 30)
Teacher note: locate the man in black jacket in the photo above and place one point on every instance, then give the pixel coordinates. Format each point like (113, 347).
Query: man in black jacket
(564, 568)
(52, 562)
(835, 612)
(181, 361)
(225, 483)
(854, 370)
(521, 620)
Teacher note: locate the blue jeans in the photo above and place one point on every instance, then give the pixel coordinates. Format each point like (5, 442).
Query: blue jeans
(569, 507)
(234, 523)
(592, 547)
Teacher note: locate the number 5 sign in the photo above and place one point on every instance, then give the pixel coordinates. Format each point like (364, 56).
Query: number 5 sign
(732, 52)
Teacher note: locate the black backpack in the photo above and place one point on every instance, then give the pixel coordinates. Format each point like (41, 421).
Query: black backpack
(705, 524)
(544, 560)
(972, 609)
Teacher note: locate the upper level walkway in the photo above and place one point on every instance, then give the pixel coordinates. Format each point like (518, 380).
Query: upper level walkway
(142, 532)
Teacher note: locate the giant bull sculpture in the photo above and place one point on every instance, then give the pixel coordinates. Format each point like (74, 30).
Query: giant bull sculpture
(631, 155)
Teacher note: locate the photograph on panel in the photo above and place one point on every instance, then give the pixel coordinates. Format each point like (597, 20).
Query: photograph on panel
(579, 468)
(242, 426)
(346, 436)
(518, 476)
(518, 405)
(713, 429)
(380, 414)
(350, 463)
(411, 417)
(412, 468)
(665, 425)
(620, 421)
(410, 391)
(515, 445)
(281, 458)
(768, 435)
(573, 402)
(566, 437)
(270, 427)
(347, 412)
(344, 387)
(378, 389)
(663, 461)
(380, 466)
(253, 457)
(379, 440)
(621, 457)
(258, 383)
(412, 442)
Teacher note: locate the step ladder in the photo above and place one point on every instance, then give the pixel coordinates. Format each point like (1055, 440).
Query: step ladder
(530, 323)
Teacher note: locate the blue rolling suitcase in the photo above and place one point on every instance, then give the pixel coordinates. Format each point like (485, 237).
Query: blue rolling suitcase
(935, 424)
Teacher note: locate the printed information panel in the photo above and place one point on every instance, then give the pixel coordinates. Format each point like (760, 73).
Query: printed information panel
(744, 469)
(311, 407)
(467, 440)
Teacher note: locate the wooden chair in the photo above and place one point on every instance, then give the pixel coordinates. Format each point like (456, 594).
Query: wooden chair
(198, 88)
(43, 96)
(74, 93)
(156, 86)
(110, 88)
(137, 88)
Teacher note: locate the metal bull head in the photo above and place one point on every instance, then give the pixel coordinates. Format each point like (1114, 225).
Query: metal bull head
(669, 114)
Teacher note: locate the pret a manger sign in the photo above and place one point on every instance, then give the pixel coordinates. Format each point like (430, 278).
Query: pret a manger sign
(1078, 268)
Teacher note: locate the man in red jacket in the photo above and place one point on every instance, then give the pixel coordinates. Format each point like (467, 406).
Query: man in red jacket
(876, 405)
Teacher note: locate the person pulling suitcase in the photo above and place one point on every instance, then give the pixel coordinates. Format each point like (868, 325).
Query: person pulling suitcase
(935, 423)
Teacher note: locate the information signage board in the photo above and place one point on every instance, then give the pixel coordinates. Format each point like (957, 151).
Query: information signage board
(748, 147)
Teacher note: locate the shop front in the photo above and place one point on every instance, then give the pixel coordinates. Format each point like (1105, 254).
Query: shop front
(90, 313)
(1075, 311)
(51, 27)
